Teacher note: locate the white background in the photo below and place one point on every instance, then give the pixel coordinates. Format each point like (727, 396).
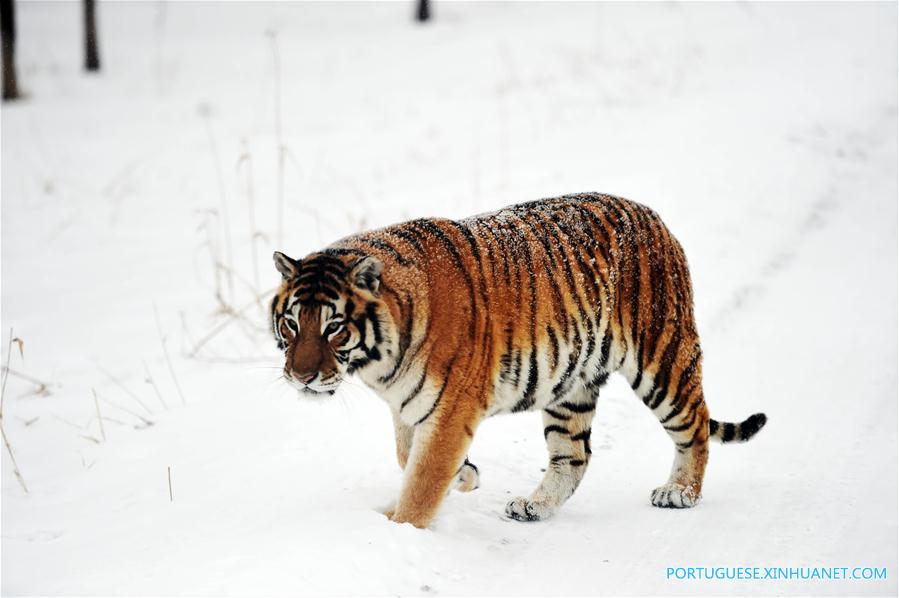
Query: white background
(764, 134)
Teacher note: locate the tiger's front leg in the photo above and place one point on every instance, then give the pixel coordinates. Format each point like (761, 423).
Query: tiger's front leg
(467, 478)
(436, 461)
(403, 433)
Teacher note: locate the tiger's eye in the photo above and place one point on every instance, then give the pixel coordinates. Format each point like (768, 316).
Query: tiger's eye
(332, 328)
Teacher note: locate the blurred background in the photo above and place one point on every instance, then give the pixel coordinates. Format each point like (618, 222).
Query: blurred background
(149, 172)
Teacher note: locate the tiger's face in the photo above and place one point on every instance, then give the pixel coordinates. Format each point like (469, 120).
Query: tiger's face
(326, 317)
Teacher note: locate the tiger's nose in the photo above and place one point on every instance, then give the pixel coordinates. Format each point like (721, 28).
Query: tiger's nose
(306, 378)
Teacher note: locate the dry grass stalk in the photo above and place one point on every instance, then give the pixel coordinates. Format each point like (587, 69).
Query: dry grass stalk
(249, 285)
(6, 372)
(235, 315)
(213, 253)
(279, 137)
(168, 359)
(171, 496)
(146, 421)
(9, 450)
(152, 383)
(43, 388)
(71, 424)
(99, 417)
(126, 389)
(185, 334)
(205, 112)
(12, 457)
(249, 360)
(247, 158)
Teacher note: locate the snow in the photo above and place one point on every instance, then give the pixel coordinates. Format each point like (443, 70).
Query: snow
(764, 134)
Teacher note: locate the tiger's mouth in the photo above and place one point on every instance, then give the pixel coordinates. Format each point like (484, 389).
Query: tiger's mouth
(312, 392)
(316, 388)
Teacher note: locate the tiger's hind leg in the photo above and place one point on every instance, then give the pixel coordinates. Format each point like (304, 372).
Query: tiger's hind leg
(566, 427)
(675, 397)
(468, 478)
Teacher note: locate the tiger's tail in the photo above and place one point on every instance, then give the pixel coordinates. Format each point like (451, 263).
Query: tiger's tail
(726, 432)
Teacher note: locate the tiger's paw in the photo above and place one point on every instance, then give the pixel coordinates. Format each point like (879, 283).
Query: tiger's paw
(522, 509)
(674, 496)
(468, 478)
(388, 509)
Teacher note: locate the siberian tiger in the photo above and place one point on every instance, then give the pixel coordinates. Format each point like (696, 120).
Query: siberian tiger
(528, 308)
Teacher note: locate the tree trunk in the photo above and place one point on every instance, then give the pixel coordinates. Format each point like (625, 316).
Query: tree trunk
(424, 11)
(91, 54)
(8, 27)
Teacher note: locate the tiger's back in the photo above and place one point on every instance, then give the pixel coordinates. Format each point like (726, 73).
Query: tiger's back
(550, 295)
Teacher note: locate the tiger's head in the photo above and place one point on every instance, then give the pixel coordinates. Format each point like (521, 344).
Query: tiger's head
(328, 317)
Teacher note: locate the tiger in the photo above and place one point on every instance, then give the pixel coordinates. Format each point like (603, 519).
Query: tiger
(529, 308)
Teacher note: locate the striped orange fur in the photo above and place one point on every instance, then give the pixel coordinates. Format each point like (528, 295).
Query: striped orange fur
(528, 308)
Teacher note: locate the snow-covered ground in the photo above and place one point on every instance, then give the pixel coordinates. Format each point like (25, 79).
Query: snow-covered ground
(764, 134)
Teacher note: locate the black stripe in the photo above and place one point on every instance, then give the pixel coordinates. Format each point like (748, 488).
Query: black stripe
(680, 395)
(371, 314)
(491, 229)
(601, 377)
(408, 237)
(405, 334)
(557, 415)
(549, 266)
(606, 345)
(482, 279)
(554, 228)
(730, 432)
(386, 247)
(663, 375)
(529, 398)
(585, 435)
(553, 428)
(417, 389)
(692, 441)
(691, 413)
(576, 407)
(553, 348)
(562, 387)
(447, 242)
(658, 284)
(449, 369)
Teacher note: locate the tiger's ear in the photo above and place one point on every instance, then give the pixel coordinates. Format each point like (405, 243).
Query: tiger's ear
(365, 273)
(285, 265)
